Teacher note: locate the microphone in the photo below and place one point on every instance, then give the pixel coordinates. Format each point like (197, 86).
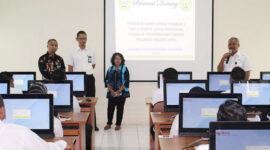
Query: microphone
(228, 58)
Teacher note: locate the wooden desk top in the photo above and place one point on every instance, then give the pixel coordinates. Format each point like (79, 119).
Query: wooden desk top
(69, 139)
(76, 117)
(178, 143)
(162, 117)
(85, 102)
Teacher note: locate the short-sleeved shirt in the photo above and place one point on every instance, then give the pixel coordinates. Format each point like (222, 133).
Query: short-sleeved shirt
(82, 60)
(157, 96)
(237, 60)
(48, 64)
(118, 78)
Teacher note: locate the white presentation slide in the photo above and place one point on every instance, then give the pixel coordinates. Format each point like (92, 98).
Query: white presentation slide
(155, 29)
(153, 35)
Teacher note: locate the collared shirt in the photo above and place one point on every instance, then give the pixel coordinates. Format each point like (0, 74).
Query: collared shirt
(76, 105)
(175, 127)
(58, 129)
(157, 96)
(237, 60)
(82, 60)
(116, 79)
(47, 65)
(16, 137)
(15, 91)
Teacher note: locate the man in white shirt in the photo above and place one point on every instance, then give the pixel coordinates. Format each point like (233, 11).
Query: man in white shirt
(9, 77)
(83, 59)
(234, 58)
(16, 137)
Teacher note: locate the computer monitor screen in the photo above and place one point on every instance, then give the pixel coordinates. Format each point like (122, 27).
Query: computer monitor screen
(199, 112)
(181, 76)
(253, 93)
(21, 81)
(4, 88)
(33, 113)
(173, 89)
(78, 82)
(219, 82)
(248, 139)
(265, 75)
(61, 93)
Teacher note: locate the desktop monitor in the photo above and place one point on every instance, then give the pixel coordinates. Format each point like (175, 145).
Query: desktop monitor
(265, 75)
(255, 93)
(239, 135)
(78, 79)
(172, 90)
(198, 110)
(4, 87)
(219, 82)
(33, 111)
(181, 76)
(21, 79)
(62, 94)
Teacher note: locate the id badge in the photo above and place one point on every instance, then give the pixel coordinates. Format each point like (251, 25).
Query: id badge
(90, 59)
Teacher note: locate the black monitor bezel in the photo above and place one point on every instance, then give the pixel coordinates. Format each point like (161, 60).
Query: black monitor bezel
(181, 72)
(21, 73)
(201, 131)
(234, 126)
(252, 107)
(175, 108)
(79, 73)
(215, 73)
(59, 107)
(37, 96)
(262, 73)
(8, 85)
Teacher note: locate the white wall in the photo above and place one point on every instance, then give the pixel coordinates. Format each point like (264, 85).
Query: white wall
(25, 27)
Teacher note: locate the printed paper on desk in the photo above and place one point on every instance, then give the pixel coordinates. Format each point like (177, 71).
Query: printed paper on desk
(209, 112)
(21, 114)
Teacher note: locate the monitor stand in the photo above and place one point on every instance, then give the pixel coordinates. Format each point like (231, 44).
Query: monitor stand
(199, 140)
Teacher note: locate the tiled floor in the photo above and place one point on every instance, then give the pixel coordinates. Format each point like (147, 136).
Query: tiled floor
(130, 137)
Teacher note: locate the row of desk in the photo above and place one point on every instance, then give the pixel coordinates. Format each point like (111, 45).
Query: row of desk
(75, 136)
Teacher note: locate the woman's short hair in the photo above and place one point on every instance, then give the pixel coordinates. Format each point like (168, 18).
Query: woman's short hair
(120, 55)
(231, 111)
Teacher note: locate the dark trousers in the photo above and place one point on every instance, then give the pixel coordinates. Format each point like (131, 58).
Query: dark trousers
(90, 87)
(119, 103)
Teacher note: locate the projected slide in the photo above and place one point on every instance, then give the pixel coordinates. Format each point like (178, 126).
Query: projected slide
(198, 112)
(174, 89)
(253, 93)
(31, 113)
(61, 93)
(3, 88)
(242, 139)
(155, 29)
(21, 81)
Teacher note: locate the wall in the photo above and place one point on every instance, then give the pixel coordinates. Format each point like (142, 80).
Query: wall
(25, 27)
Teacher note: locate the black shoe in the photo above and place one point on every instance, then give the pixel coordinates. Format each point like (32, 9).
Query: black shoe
(96, 129)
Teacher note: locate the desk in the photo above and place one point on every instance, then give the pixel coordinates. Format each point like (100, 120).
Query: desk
(158, 119)
(78, 119)
(178, 143)
(71, 140)
(148, 101)
(89, 106)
